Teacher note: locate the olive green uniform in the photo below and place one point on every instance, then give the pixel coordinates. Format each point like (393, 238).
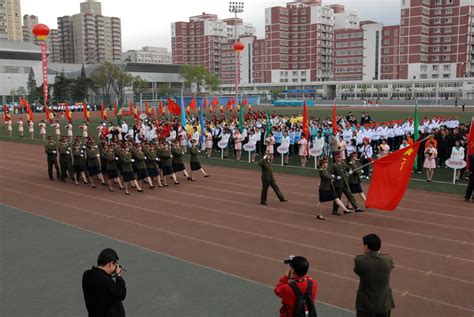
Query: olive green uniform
(65, 161)
(342, 185)
(268, 180)
(52, 157)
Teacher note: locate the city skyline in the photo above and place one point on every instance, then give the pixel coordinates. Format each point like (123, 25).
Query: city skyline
(159, 30)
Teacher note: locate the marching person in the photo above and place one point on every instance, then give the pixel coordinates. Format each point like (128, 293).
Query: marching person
(31, 128)
(430, 160)
(268, 180)
(65, 159)
(151, 163)
(194, 161)
(355, 177)
(103, 286)
(177, 159)
(93, 164)
(127, 170)
(138, 158)
(164, 153)
(341, 171)
(111, 165)
(374, 296)
(51, 151)
(42, 126)
(326, 188)
(21, 128)
(78, 163)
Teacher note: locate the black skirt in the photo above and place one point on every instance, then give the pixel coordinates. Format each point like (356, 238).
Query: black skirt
(178, 167)
(142, 174)
(93, 170)
(128, 176)
(111, 174)
(152, 172)
(327, 195)
(355, 188)
(195, 166)
(78, 168)
(167, 170)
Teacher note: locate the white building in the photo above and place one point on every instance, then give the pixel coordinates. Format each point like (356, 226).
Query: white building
(148, 55)
(10, 20)
(344, 19)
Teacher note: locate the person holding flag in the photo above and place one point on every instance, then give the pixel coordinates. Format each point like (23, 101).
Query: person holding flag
(42, 126)
(8, 122)
(31, 128)
(69, 131)
(21, 128)
(341, 171)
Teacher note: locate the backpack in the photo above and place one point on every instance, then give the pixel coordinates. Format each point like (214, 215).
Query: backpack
(304, 306)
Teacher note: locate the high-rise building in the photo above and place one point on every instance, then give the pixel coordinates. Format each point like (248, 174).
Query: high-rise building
(89, 37)
(299, 42)
(10, 20)
(436, 39)
(148, 55)
(390, 52)
(28, 22)
(206, 40)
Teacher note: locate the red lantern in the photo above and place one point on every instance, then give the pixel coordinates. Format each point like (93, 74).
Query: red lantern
(238, 47)
(41, 31)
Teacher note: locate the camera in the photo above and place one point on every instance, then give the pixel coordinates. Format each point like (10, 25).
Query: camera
(289, 260)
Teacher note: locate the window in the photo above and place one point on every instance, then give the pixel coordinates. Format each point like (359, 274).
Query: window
(446, 67)
(448, 30)
(434, 76)
(447, 39)
(448, 11)
(445, 75)
(423, 76)
(423, 68)
(386, 32)
(435, 67)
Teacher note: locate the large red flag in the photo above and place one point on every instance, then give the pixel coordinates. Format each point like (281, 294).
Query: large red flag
(29, 112)
(147, 109)
(215, 101)
(334, 118)
(130, 108)
(6, 114)
(470, 142)
(162, 111)
(85, 112)
(115, 109)
(204, 103)
(305, 121)
(157, 123)
(245, 102)
(48, 114)
(68, 112)
(192, 104)
(173, 107)
(390, 178)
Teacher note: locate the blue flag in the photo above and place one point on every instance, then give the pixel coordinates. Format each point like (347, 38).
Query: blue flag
(183, 113)
(201, 121)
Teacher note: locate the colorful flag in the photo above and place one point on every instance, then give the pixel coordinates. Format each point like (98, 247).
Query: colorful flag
(136, 115)
(115, 109)
(6, 114)
(103, 112)
(157, 123)
(245, 102)
(29, 112)
(162, 111)
(173, 107)
(268, 125)
(85, 112)
(147, 109)
(192, 104)
(305, 121)
(204, 103)
(130, 108)
(48, 114)
(390, 178)
(68, 113)
(334, 118)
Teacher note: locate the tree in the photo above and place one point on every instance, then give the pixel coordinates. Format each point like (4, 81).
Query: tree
(81, 86)
(199, 75)
(62, 87)
(276, 91)
(363, 89)
(121, 80)
(164, 90)
(139, 85)
(31, 86)
(102, 79)
(21, 92)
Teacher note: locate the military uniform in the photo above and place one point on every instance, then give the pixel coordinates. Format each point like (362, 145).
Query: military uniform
(178, 164)
(268, 180)
(354, 178)
(374, 296)
(341, 184)
(92, 161)
(78, 161)
(194, 161)
(139, 165)
(151, 160)
(65, 162)
(127, 168)
(165, 159)
(326, 188)
(52, 157)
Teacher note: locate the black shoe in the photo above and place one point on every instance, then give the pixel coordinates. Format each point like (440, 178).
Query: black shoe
(207, 175)
(283, 200)
(319, 217)
(349, 208)
(337, 213)
(140, 190)
(262, 203)
(359, 210)
(347, 212)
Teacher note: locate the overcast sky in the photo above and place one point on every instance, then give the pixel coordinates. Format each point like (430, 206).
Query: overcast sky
(147, 22)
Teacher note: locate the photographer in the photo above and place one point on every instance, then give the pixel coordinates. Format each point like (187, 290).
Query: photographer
(374, 296)
(296, 281)
(103, 287)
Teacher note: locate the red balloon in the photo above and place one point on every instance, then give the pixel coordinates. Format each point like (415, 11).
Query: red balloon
(239, 47)
(40, 30)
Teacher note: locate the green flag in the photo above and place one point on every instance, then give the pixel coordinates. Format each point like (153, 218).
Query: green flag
(119, 117)
(416, 134)
(268, 125)
(241, 118)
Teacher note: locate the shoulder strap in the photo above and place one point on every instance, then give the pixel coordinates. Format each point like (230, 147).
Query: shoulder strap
(309, 288)
(295, 289)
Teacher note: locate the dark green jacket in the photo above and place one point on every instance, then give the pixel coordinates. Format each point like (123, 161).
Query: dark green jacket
(177, 155)
(165, 156)
(78, 157)
(374, 294)
(139, 158)
(355, 177)
(267, 173)
(92, 157)
(111, 161)
(326, 180)
(150, 159)
(126, 159)
(194, 155)
(340, 169)
(50, 149)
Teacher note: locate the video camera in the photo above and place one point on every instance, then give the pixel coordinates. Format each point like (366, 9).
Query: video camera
(289, 260)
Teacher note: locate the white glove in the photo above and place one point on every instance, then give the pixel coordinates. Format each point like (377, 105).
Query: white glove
(96, 146)
(157, 159)
(171, 155)
(145, 157)
(54, 152)
(67, 152)
(133, 160)
(116, 158)
(351, 172)
(98, 155)
(69, 148)
(82, 151)
(83, 146)
(362, 171)
(82, 155)
(338, 177)
(333, 176)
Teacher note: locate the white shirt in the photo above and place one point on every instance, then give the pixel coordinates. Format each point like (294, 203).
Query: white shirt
(125, 127)
(457, 153)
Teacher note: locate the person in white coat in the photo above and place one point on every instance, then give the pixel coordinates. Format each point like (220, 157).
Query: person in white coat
(457, 153)
(285, 142)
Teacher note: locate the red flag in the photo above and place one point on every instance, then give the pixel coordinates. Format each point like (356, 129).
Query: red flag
(23, 102)
(215, 101)
(192, 104)
(157, 123)
(470, 142)
(204, 103)
(390, 178)
(68, 113)
(147, 109)
(136, 114)
(115, 109)
(85, 112)
(173, 107)
(245, 102)
(130, 108)
(334, 118)
(102, 111)
(29, 112)
(305, 121)
(6, 114)
(48, 114)
(229, 105)
(162, 111)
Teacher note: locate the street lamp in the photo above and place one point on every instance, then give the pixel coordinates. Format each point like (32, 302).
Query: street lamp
(237, 7)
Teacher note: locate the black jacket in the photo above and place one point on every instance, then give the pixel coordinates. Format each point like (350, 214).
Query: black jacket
(103, 295)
